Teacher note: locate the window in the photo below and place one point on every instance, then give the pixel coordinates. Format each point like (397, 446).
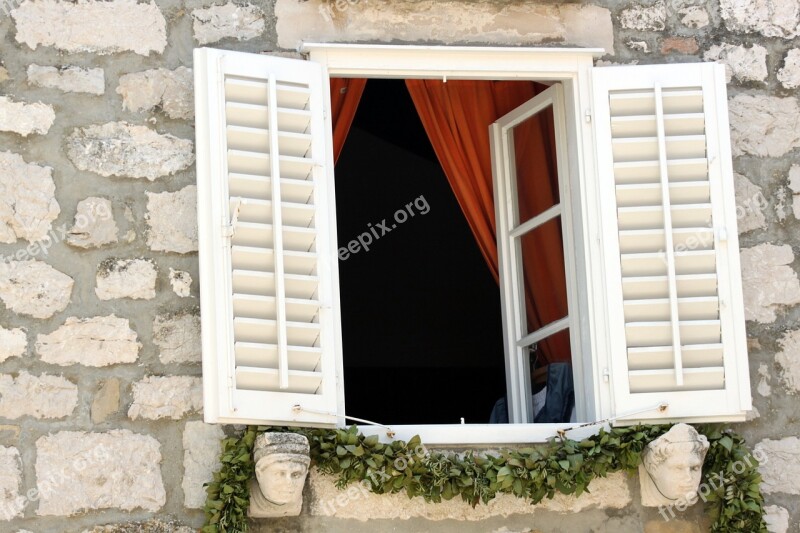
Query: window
(655, 318)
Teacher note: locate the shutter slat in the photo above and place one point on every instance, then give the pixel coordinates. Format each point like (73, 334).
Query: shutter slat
(257, 140)
(645, 125)
(683, 216)
(631, 149)
(653, 240)
(263, 283)
(643, 172)
(268, 379)
(260, 258)
(264, 307)
(689, 192)
(293, 214)
(254, 234)
(678, 101)
(657, 309)
(260, 187)
(660, 357)
(252, 91)
(262, 355)
(694, 379)
(654, 263)
(257, 116)
(649, 287)
(266, 331)
(660, 333)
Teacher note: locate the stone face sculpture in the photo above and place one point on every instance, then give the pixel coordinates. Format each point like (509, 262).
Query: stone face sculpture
(672, 466)
(281, 465)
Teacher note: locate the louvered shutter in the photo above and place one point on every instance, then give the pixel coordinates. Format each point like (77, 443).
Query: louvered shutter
(269, 289)
(669, 231)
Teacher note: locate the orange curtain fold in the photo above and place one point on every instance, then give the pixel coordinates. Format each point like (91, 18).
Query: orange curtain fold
(456, 116)
(345, 96)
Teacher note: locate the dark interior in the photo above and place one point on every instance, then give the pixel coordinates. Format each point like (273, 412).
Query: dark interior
(421, 318)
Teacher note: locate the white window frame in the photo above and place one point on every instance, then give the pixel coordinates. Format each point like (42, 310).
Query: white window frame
(572, 68)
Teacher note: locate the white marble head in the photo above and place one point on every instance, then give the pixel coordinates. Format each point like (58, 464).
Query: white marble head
(672, 466)
(281, 465)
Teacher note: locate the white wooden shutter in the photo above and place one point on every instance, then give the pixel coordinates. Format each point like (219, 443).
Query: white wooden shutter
(269, 286)
(669, 230)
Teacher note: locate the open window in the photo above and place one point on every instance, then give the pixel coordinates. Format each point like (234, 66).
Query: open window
(643, 208)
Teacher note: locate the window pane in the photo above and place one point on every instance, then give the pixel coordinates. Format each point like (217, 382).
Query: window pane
(541, 252)
(535, 159)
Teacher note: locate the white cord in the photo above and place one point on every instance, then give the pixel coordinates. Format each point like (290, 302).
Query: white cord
(389, 431)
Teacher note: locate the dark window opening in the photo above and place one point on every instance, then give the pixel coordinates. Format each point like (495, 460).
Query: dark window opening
(421, 316)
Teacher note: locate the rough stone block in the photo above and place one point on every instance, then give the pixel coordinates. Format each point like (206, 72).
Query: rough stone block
(181, 282)
(780, 470)
(444, 21)
(201, 447)
(99, 26)
(126, 150)
(230, 20)
(750, 204)
(768, 282)
(70, 79)
(763, 126)
(106, 401)
(126, 278)
(644, 18)
(156, 397)
(34, 288)
(13, 343)
(24, 119)
(169, 90)
(78, 471)
(789, 74)
(679, 45)
(150, 526)
(172, 220)
(94, 224)
(177, 337)
(771, 18)
(11, 502)
(789, 359)
(98, 341)
(794, 186)
(745, 64)
(28, 205)
(44, 396)
(695, 17)
(777, 519)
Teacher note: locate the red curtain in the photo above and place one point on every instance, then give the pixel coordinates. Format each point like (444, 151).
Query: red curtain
(345, 95)
(456, 116)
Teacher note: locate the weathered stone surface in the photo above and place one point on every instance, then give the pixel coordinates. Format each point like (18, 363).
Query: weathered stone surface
(227, 21)
(772, 18)
(126, 278)
(106, 401)
(169, 90)
(673, 526)
(445, 21)
(97, 26)
(694, 17)
(3, 74)
(177, 337)
(24, 119)
(13, 343)
(644, 18)
(780, 471)
(150, 526)
(680, 45)
(794, 186)
(764, 377)
(789, 74)
(44, 396)
(358, 503)
(181, 282)
(70, 79)
(789, 359)
(201, 447)
(97, 341)
(172, 220)
(763, 126)
(127, 150)
(78, 471)
(750, 204)
(28, 205)
(34, 288)
(745, 64)
(11, 503)
(156, 397)
(94, 224)
(639, 46)
(768, 281)
(777, 519)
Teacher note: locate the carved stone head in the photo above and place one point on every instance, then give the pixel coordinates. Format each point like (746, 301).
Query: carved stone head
(672, 466)
(281, 465)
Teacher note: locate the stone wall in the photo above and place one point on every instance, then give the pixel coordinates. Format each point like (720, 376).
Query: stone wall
(100, 396)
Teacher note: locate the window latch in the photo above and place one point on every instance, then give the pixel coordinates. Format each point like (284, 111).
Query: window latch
(587, 115)
(230, 228)
(606, 375)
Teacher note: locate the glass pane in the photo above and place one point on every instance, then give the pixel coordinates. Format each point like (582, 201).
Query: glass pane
(552, 384)
(536, 167)
(541, 252)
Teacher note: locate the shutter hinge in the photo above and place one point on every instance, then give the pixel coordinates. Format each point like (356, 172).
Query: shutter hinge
(606, 375)
(587, 115)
